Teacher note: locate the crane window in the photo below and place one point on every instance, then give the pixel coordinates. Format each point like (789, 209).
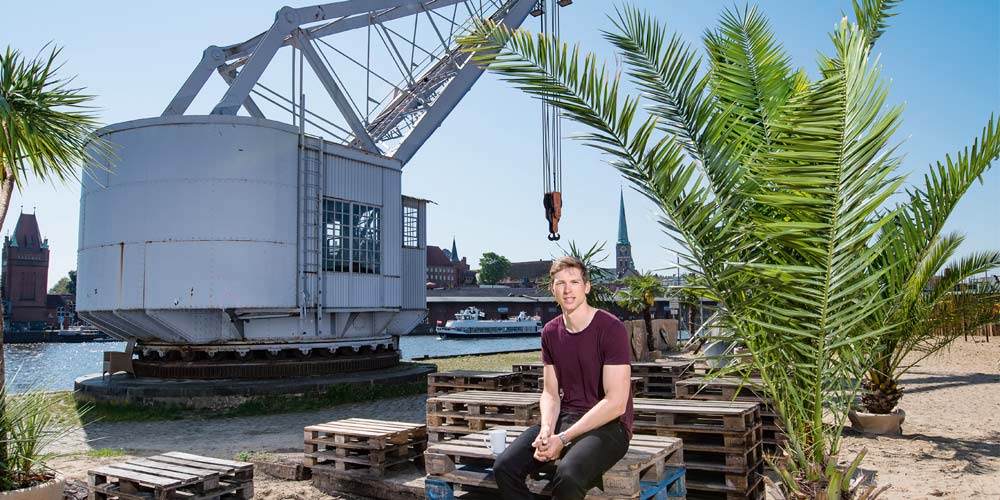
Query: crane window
(411, 236)
(352, 241)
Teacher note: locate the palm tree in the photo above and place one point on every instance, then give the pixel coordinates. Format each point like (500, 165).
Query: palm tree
(769, 181)
(928, 319)
(47, 126)
(638, 296)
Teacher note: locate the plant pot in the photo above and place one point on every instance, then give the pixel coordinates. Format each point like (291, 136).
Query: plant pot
(878, 423)
(49, 490)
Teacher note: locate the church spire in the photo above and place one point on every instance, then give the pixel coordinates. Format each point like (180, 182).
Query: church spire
(454, 250)
(622, 225)
(624, 265)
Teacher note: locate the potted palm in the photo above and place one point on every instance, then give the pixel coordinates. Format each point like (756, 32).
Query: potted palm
(927, 320)
(46, 131)
(771, 182)
(31, 424)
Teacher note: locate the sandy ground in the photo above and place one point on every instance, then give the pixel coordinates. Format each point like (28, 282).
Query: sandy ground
(950, 447)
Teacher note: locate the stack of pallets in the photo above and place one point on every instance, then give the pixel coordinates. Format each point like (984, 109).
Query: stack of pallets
(456, 414)
(468, 380)
(531, 376)
(532, 379)
(653, 467)
(172, 475)
(660, 376)
(735, 389)
(723, 448)
(364, 446)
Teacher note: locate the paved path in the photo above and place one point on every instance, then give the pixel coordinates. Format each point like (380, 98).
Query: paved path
(225, 437)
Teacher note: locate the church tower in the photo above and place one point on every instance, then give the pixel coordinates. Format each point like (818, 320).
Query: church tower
(623, 250)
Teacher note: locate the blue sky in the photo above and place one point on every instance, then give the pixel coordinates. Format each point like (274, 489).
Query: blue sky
(483, 165)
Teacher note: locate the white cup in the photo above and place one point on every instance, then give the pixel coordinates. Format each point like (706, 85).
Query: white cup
(496, 440)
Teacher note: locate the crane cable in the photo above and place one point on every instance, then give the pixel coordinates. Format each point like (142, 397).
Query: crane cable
(551, 134)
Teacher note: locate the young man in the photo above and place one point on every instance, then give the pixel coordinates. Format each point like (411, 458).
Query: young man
(586, 401)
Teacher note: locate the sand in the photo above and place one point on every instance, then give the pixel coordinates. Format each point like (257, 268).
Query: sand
(950, 447)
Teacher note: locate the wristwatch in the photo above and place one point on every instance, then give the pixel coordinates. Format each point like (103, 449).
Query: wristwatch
(564, 439)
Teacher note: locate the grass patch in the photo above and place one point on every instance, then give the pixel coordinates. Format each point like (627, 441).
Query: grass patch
(104, 453)
(332, 396)
(498, 362)
(250, 456)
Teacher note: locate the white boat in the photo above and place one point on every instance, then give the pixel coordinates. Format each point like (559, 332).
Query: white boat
(468, 323)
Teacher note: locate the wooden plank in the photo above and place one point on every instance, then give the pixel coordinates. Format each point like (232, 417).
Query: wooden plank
(110, 471)
(173, 467)
(180, 476)
(209, 460)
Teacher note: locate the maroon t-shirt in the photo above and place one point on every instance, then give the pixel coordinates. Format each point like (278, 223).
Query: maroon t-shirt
(579, 358)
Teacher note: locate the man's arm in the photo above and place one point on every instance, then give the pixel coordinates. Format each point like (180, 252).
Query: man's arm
(550, 411)
(617, 384)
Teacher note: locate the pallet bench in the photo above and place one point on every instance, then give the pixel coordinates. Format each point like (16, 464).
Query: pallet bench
(723, 443)
(653, 467)
(461, 413)
(172, 475)
(363, 446)
(660, 376)
(441, 383)
(736, 389)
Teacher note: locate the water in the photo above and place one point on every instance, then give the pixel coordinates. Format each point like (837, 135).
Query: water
(56, 366)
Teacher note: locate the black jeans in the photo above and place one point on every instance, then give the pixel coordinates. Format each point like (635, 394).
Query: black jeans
(581, 465)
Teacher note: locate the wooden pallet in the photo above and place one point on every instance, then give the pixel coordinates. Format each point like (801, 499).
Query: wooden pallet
(172, 475)
(721, 438)
(362, 445)
(441, 383)
(743, 485)
(462, 413)
(735, 389)
(660, 376)
(531, 376)
(652, 468)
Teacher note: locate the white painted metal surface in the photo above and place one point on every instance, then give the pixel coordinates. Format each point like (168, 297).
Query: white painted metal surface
(192, 239)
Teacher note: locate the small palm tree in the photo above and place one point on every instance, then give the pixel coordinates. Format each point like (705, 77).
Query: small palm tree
(47, 132)
(638, 295)
(47, 127)
(929, 320)
(772, 184)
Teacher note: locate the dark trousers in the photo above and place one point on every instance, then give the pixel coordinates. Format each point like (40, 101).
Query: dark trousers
(580, 467)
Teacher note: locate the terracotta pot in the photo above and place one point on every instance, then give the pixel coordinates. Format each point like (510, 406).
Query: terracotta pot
(878, 423)
(49, 490)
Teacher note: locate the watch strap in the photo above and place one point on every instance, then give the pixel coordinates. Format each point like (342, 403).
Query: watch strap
(562, 437)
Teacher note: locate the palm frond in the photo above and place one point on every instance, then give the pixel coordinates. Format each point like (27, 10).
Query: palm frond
(872, 16)
(750, 72)
(47, 126)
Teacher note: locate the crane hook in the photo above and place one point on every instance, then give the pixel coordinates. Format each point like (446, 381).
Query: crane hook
(553, 211)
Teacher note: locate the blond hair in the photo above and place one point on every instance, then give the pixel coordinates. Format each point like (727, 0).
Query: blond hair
(569, 262)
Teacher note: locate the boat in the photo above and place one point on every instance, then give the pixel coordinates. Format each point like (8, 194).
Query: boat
(468, 323)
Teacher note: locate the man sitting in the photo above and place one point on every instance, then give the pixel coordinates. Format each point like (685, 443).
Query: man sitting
(586, 400)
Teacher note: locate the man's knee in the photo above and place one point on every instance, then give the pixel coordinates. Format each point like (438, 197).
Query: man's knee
(505, 465)
(570, 481)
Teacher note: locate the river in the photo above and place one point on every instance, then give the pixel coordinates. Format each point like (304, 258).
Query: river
(56, 366)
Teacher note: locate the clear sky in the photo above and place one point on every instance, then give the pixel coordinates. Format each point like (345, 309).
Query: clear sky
(483, 166)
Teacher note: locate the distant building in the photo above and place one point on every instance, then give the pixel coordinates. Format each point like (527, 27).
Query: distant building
(445, 270)
(27, 303)
(528, 274)
(624, 266)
